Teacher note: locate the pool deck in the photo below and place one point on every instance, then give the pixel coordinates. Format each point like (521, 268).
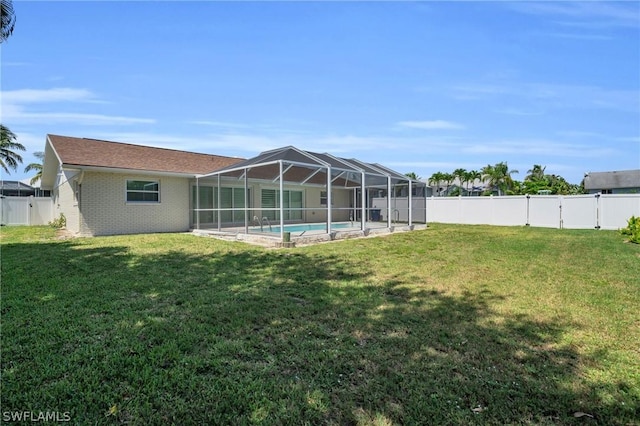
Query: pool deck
(303, 238)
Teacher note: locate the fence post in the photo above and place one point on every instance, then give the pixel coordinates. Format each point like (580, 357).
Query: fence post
(528, 202)
(598, 211)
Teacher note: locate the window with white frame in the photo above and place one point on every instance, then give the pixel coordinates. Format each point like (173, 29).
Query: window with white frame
(143, 191)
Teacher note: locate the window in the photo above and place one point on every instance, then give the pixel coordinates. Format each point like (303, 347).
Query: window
(145, 191)
(607, 191)
(230, 198)
(293, 202)
(323, 198)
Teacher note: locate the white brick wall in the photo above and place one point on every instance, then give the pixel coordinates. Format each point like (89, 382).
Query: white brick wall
(104, 210)
(65, 202)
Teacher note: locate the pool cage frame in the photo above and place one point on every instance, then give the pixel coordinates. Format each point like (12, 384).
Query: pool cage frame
(294, 169)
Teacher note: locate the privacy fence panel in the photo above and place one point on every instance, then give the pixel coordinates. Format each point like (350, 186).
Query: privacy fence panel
(25, 210)
(510, 211)
(579, 212)
(589, 211)
(616, 209)
(544, 211)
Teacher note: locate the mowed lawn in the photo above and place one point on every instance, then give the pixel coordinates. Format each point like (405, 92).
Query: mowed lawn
(450, 325)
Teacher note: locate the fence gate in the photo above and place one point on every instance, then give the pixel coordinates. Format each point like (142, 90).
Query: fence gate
(25, 210)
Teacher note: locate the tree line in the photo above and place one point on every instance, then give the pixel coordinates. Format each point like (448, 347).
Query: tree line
(498, 180)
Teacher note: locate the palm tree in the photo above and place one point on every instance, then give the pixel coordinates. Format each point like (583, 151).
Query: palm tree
(499, 176)
(470, 177)
(36, 166)
(536, 173)
(461, 174)
(448, 178)
(436, 178)
(412, 175)
(8, 17)
(8, 158)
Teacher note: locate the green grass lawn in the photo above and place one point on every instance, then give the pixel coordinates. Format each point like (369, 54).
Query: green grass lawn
(451, 325)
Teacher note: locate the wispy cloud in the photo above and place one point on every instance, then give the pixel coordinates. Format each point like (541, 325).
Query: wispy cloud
(539, 148)
(58, 94)
(431, 125)
(586, 14)
(232, 144)
(17, 107)
(543, 96)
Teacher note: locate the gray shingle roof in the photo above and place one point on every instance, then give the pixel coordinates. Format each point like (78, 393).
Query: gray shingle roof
(612, 180)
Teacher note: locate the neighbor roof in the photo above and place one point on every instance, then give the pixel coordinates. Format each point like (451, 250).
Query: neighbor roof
(612, 180)
(116, 155)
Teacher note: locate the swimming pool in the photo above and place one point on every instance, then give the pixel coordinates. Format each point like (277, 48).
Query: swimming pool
(303, 227)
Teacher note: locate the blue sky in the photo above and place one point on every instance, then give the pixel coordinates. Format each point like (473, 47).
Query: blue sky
(417, 86)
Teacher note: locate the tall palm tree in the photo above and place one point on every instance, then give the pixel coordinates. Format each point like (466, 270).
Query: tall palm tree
(436, 178)
(37, 167)
(461, 174)
(499, 176)
(448, 178)
(470, 178)
(536, 173)
(8, 158)
(8, 18)
(412, 175)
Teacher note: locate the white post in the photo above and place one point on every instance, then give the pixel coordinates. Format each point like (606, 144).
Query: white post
(363, 199)
(281, 203)
(246, 202)
(218, 206)
(197, 203)
(328, 200)
(389, 202)
(410, 204)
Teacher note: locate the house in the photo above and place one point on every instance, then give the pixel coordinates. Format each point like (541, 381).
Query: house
(106, 188)
(616, 182)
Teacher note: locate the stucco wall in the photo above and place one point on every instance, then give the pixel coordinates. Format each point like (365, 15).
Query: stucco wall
(105, 211)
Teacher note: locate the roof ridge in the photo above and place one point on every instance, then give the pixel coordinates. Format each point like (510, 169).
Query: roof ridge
(146, 146)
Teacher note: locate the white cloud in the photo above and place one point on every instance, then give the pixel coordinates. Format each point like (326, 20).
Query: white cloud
(17, 104)
(539, 147)
(541, 96)
(431, 125)
(591, 14)
(60, 94)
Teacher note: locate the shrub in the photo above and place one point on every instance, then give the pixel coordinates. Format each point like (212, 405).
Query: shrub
(59, 223)
(632, 230)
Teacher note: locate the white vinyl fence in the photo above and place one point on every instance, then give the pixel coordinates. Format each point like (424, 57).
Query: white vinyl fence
(26, 210)
(588, 211)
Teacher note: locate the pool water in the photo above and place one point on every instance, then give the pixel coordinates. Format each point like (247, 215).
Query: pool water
(306, 227)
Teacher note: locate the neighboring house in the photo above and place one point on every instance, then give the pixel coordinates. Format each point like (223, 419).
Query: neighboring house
(13, 188)
(617, 182)
(105, 188)
(475, 188)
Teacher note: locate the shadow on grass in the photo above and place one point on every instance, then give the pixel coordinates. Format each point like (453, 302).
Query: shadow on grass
(243, 336)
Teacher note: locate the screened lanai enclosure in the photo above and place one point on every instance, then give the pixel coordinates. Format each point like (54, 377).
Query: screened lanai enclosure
(290, 193)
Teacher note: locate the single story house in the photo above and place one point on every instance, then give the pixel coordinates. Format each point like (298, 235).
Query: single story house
(616, 182)
(106, 188)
